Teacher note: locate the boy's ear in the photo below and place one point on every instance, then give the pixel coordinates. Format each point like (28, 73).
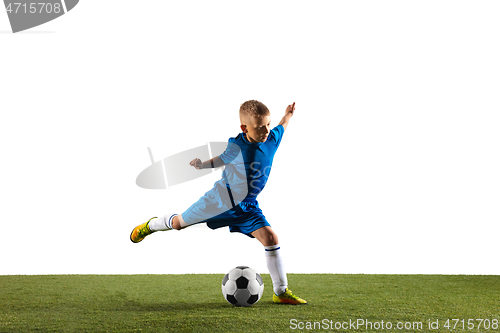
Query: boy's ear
(244, 128)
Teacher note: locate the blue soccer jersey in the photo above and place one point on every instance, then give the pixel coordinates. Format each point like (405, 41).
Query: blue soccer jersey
(249, 164)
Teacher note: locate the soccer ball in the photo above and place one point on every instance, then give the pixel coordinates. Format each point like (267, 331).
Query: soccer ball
(242, 286)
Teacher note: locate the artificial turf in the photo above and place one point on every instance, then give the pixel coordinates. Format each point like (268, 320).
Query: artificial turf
(194, 303)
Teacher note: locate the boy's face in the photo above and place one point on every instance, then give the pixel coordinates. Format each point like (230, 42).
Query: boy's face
(257, 128)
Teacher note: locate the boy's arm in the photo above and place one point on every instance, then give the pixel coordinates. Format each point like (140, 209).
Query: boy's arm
(215, 162)
(290, 109)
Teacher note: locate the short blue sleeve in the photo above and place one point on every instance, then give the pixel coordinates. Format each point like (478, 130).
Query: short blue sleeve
(232, 150)
(277, 134)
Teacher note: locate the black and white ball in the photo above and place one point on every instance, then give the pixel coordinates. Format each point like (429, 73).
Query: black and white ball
(242, 286)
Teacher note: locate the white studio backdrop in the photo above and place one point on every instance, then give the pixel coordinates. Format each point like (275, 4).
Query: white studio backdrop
(390, 164)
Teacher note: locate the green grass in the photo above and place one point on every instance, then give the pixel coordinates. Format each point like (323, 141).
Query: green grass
(194, 303)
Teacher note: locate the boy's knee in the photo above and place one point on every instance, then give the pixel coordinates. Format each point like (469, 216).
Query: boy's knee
(271, 238)
(266, 236)
(274, 239)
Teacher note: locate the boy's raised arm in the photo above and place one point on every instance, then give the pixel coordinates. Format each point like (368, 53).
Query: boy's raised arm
(290, 109)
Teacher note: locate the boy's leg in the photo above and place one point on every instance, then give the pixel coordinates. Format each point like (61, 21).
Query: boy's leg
(269, 239)
(165, 223)
(168, 222)
(205, 208)
(178, 223)
(154, 224)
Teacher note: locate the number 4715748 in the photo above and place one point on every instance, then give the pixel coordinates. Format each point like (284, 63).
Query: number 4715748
(33, 8)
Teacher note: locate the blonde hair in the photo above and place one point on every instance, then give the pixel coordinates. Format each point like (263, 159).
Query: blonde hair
(252, 109)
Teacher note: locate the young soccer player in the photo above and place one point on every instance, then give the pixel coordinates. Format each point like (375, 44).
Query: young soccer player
(232, 202)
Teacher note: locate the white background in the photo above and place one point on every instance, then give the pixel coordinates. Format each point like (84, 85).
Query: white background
(390, 164)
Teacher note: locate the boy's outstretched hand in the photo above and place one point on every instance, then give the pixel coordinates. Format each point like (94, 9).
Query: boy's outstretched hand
(290, 109)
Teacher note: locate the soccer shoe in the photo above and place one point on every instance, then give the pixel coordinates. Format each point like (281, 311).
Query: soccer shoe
(288, 298)
(141, 231)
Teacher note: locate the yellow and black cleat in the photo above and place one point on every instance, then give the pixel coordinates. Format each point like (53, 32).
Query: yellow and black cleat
(141, 231)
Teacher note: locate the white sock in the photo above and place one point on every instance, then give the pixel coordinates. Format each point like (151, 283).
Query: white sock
(162, 223)
(276, 268)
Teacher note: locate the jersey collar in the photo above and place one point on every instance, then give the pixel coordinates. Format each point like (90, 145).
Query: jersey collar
(251, 143)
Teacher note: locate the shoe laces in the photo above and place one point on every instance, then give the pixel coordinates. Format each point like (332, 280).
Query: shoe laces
(288, 294)
(144, 231)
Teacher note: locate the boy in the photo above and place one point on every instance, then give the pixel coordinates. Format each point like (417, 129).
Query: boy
(232, 202)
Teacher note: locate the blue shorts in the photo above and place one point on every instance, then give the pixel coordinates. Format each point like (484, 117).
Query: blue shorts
(216, 211)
